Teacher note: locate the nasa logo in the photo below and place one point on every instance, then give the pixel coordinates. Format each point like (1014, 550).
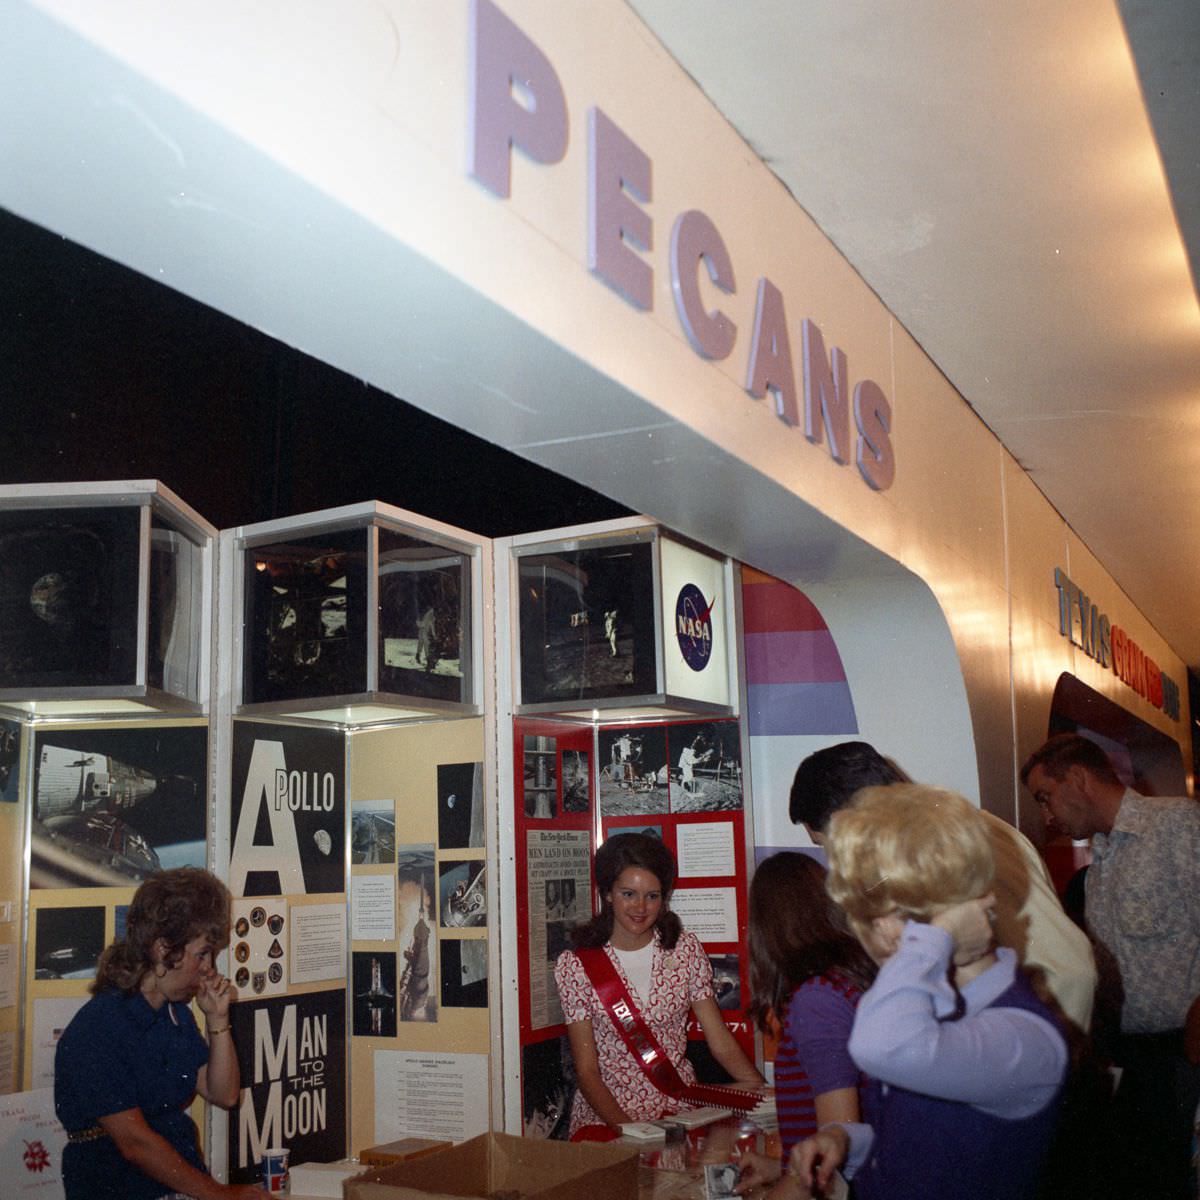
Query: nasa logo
(693, 626)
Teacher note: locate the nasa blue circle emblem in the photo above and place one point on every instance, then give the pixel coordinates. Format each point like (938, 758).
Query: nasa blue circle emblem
(693, 626)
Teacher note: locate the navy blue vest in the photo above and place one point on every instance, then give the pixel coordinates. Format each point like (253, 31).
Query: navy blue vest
(931, 1149)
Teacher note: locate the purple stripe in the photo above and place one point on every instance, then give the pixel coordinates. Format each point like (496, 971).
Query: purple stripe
(798, 656)
(778, 709)
(765, 852)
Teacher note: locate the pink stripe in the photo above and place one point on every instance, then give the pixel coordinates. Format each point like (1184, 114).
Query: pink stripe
(798, 657)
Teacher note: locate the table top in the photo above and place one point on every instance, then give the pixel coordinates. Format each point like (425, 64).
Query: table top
(674, 1170)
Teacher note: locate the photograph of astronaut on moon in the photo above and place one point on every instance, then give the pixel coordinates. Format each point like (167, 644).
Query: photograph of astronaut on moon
(424, 606)
(587, 624)
(705, 760)
(633, 770)
(576, 782)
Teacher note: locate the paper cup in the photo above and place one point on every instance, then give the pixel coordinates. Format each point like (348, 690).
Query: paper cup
(275, 1172)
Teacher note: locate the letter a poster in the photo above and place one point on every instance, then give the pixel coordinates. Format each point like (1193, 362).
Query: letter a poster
(292, 1056)
(288, 820)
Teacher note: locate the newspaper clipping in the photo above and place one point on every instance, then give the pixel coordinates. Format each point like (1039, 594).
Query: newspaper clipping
(559, 873)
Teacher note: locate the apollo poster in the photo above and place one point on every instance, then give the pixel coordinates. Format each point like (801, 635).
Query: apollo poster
(292, 1057)
(288, 820)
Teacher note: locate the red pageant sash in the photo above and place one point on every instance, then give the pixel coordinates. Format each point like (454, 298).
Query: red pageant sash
(643, 1045)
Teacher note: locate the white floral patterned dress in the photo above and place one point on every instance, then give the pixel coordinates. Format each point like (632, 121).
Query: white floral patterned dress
(678, 979)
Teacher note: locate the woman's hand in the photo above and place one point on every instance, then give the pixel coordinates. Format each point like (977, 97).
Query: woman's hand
(969, 925)
(214, 996)
(815, 1159)
(757, 1170)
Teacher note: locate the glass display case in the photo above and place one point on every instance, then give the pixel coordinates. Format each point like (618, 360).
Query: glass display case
(621, 619)
(358, 614)
(103, 593)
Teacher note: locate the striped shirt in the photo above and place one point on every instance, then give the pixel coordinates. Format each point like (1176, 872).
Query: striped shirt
(813, 1057)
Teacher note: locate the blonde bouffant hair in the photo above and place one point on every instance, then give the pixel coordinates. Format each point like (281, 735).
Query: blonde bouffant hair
(908, 849)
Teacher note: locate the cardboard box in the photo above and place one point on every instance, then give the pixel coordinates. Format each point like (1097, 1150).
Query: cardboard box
(400, 1151)
(496, 1164)
(322, 1179)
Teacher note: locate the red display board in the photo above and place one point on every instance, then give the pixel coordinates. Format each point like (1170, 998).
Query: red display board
(577, 785)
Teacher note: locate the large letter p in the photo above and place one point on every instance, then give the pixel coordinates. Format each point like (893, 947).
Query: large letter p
(516, 100)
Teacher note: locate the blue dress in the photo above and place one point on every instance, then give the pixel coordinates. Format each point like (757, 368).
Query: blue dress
(120, 1053)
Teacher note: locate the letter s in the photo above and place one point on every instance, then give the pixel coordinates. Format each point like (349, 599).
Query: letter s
(873, 417)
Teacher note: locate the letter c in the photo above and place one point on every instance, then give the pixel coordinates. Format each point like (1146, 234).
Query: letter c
(695, 240)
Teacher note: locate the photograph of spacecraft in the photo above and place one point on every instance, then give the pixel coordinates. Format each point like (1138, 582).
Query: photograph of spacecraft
(110, 806)
(462, 887)
(374, 994)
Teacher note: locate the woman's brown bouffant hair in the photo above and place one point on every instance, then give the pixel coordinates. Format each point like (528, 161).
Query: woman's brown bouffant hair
(177, 906)
(796, 934)
(619, 854)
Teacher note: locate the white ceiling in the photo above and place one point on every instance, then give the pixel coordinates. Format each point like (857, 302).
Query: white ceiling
(991, 171)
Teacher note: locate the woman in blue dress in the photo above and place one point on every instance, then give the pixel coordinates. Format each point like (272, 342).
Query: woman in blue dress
(132, 1060)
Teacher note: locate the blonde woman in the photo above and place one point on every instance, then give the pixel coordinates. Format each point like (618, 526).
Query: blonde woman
(965, 1063)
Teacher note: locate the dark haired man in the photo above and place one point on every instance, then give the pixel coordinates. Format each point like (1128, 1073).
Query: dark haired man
(1142, 907)
(1029, 917)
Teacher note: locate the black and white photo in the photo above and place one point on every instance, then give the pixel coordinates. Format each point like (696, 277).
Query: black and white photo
(541, 777)
(576, 781)
(68, 942)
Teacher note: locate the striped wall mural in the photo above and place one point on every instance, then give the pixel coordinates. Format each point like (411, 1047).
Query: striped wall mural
(795, 683)
(797, 700)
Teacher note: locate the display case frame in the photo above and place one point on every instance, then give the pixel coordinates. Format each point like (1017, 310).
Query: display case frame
(141, 685)
(372, 703)
(664, 695)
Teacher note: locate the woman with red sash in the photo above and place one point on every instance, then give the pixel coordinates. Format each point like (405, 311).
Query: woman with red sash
(627, 988)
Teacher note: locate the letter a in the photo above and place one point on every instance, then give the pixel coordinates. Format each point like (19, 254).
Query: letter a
(282, 857)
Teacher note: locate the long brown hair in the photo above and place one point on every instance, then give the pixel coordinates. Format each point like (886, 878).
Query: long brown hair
(177, 906)
(618, 854)
(796, 933)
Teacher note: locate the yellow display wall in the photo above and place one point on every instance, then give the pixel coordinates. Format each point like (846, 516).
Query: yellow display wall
(409, 767)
